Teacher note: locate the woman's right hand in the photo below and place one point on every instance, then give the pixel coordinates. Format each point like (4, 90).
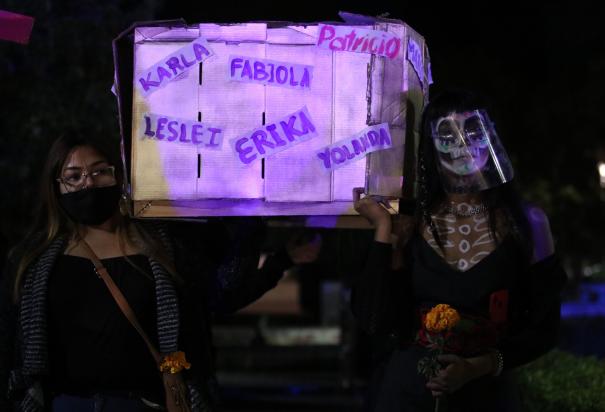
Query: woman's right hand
(377, 215)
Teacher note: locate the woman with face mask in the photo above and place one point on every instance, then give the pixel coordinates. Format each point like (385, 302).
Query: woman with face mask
(66, 345)
(472, 245)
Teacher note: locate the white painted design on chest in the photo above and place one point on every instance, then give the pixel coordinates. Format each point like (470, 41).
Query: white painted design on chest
(466, 242)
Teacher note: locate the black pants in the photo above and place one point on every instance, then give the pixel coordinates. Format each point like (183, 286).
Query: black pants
(99, 403)
(398, 387)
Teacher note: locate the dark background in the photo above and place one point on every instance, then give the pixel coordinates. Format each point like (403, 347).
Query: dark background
(541, 64)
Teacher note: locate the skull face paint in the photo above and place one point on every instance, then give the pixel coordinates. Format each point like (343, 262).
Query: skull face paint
(469, 154)
(462, 142)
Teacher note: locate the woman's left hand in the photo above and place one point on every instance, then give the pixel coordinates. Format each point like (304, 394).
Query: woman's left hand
(452, 377)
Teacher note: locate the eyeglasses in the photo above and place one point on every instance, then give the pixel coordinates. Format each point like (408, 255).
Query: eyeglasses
(75, 180)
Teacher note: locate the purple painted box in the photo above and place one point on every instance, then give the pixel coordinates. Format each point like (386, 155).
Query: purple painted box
(177, 83)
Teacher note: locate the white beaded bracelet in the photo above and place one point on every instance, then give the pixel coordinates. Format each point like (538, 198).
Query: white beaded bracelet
(499, 362)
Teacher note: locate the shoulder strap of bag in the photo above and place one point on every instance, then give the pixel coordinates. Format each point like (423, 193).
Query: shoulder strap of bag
(120, 299)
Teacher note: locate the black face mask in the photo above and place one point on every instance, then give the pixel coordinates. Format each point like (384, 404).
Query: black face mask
(91, 206)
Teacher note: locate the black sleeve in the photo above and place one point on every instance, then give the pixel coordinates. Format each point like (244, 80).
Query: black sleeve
(378, 297)
(240, 289)
(538, 328)
(219, 260)
(237, 280)
(8, 316)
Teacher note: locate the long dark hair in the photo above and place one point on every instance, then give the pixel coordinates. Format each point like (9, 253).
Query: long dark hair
(431, 194)
(50, 220)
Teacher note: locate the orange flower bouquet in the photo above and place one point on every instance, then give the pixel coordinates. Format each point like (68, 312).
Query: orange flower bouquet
(174, 363)
(436, 331)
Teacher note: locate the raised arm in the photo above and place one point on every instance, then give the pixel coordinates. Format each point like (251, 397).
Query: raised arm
(377, 215)
(379, 292)
(219, 260)
(243, 279)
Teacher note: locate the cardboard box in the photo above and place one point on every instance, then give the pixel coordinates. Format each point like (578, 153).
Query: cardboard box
(252, 118)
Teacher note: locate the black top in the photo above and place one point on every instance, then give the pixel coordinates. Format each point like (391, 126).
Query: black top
(385, 302)
(435, 281)
(92, 346)
(216, 263)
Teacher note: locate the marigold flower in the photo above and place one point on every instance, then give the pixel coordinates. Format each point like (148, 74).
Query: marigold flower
(174, 363)
(440, 318)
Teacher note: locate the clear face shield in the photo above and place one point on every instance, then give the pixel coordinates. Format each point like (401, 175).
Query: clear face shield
(470, 156)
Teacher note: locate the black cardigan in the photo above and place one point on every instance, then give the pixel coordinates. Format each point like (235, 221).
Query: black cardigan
(217, 262)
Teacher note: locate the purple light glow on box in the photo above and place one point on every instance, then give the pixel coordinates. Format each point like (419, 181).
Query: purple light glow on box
(167, 69)
(275, 137)
(171, 160)
(355, 39)
(270, 72)
(178, 168)
(415, 57)
(341, 153)
(172, 129)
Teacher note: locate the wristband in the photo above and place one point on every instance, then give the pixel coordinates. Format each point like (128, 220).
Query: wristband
(498, 361)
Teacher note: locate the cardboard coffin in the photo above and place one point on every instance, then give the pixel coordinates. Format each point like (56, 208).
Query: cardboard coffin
(261, 118)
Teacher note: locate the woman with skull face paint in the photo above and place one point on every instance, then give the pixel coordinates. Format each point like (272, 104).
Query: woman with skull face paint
(472, 244)
(64, 343)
